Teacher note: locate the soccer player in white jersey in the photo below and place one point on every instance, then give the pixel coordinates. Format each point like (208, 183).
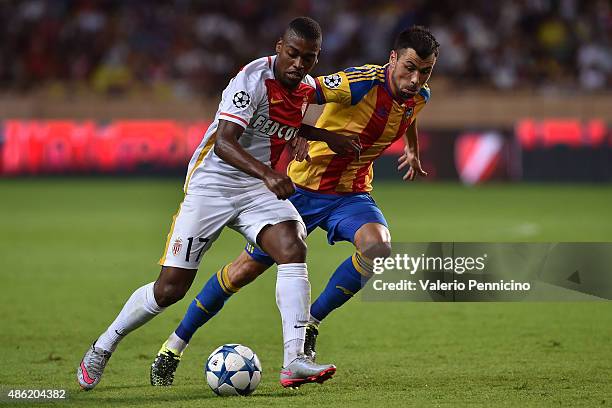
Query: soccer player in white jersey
(231, 181)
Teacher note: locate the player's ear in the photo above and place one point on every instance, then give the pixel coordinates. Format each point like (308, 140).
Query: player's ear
(279, 44)
(393, 58)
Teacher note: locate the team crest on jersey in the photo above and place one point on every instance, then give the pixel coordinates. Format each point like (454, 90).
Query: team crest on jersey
(176, 247)
(241, 99)
(409, 112)
(332, 81)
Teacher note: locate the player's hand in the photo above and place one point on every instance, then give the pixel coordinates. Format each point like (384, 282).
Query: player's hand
(278, 183)
(299, 149)
(410, 159)
(345, 145)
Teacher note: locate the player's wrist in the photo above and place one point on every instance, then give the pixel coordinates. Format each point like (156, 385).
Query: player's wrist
(268, 172)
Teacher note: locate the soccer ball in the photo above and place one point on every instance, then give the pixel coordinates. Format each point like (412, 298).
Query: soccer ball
(233, 369)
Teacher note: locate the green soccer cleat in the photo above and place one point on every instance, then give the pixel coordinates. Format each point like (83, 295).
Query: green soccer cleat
(164, 366)
(310, 341)
(303, 370)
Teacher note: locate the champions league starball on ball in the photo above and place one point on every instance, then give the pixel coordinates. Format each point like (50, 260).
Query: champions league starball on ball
(233, 369)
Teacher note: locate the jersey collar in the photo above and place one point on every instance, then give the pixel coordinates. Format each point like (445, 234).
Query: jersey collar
(272, 64)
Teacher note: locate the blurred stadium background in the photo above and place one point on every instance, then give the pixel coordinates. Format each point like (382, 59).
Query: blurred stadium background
(521, 93)
(522, 89)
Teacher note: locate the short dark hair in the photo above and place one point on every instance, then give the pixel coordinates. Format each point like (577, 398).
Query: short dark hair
(305, 27)
(420, 39)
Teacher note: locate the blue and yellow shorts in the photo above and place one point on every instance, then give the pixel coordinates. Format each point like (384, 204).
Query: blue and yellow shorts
(340, 215)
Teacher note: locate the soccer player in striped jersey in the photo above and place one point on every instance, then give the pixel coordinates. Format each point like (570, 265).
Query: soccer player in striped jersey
(379, 105)
(233, 181)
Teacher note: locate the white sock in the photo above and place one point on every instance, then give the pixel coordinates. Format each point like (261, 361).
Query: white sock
(293, 301)
(176, 344)
(139, 309)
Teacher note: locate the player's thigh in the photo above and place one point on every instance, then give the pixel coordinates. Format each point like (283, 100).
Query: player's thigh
(284, 241)
(197, 224)
(313, 210)
(358, 219)
(262, 211)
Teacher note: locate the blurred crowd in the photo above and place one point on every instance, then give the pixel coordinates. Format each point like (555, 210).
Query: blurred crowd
(189, 49)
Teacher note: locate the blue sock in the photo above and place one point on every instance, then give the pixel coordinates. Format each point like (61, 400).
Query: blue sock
(206, 304)
(343, 284)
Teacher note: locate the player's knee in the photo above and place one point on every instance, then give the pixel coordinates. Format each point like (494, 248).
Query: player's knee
(167, 294)
(373, 241)
(375, 248)
(292, 251)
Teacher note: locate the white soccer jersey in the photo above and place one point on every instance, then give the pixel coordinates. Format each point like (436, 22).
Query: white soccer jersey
(270, 115)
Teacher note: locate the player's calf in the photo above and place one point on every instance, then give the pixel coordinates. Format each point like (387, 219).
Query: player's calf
(244, 270)
(172, 285)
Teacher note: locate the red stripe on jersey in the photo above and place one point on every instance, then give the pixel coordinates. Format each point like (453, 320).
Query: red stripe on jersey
(286, 107)
(373, 130)
(360, 176)
(359, 183)
(235, 117)
(277, 146)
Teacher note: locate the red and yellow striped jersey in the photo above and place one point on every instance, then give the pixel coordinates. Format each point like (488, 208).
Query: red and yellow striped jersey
(357, 101)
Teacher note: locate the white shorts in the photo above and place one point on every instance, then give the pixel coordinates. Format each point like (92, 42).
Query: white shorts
(200, 220)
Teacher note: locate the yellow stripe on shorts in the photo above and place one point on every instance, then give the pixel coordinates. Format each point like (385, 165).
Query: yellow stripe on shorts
(162, 260)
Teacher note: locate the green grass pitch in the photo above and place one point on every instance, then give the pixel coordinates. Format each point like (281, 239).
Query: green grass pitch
(73, 250)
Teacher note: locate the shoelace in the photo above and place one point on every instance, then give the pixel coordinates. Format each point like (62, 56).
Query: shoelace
(97, 362)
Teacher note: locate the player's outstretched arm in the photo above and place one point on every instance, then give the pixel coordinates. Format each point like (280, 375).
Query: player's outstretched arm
(230, 151)
(410, 158)
(348, 145)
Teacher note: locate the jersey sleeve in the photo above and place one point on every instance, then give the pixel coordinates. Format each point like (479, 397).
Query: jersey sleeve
(242, 96)
(348, 87)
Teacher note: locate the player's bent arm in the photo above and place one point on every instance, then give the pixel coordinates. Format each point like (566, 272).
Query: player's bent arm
(341, 144)
(411, 157)
(230, 151)
(411, 138)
